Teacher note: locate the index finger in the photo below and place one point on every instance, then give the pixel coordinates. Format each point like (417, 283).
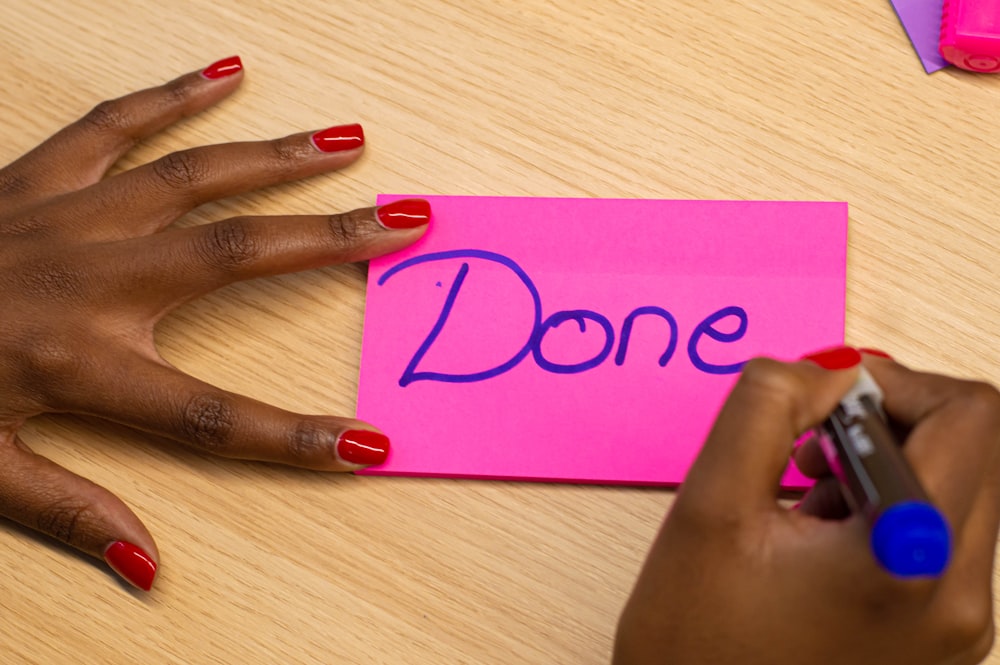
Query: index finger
(954, 438)
(740, 466)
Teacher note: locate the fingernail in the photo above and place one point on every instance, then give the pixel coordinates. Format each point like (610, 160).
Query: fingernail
(337, 139)
(796, 505)
(362, 446)
(405, 214)
(840, 357)
(132, 563)
(223, 68)
(876, 352)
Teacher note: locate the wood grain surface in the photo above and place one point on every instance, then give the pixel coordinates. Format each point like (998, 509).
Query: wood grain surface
(803, 99)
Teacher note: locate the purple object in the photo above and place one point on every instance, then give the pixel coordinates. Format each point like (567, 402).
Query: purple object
(922, 21)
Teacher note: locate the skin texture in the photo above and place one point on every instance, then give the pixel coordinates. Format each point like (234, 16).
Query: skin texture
(735, 577)
(89, 264)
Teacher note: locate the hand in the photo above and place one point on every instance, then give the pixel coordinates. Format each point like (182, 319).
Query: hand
(89, 265)
(734, 577)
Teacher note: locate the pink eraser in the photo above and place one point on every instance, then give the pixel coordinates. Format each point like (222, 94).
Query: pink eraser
(970, 34)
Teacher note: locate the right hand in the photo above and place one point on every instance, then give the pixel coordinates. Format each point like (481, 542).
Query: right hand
(734, 578)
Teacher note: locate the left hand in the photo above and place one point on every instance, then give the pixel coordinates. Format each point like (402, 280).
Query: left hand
(89, 265)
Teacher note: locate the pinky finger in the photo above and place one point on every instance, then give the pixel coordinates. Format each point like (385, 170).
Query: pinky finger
(47, 498)
(80, 154)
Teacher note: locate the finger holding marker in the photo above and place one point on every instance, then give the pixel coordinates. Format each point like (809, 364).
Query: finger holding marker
(910, 536)
(809, 457)
(953, 428)
(825, 498)
(729, 556)
(932, 409)
(771, 405)
(953, 444)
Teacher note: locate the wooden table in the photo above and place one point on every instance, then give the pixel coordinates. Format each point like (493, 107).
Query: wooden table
(803, 99)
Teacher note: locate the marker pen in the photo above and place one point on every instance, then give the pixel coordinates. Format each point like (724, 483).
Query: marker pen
(970, 34)
(909, 536)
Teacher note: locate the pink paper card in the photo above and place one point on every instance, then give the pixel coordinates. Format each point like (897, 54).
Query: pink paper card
(587, 340)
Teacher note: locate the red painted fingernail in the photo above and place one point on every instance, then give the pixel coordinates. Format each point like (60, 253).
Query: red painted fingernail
(405, 214)
(876, 352)
(841, 357)
(132, 563)
(223, 68)
(337, 139)
(362, 446)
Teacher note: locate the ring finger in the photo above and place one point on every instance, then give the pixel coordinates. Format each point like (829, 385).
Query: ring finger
(156, 398)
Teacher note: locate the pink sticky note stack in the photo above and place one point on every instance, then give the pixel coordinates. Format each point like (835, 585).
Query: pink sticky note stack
(587, 340)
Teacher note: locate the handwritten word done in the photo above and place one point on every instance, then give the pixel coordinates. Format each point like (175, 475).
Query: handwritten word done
(540, 327)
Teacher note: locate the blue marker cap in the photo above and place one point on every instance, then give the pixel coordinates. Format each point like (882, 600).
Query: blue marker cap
(912, 539)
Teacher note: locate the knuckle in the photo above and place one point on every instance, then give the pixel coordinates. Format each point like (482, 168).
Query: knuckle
(26, 225)
(349, 228)
(208, 421)
(13, 184)
(230, 244)
(963, 622)
(62, 520)
(289, 152)
(309, 440)
(983, 397)
(771, 381)
(52, 280)
(107, 116)
(181, 170)
(178, 92)
(50, 364)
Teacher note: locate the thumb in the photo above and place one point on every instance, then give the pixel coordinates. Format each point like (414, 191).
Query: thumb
(739, 469)
(44, 496)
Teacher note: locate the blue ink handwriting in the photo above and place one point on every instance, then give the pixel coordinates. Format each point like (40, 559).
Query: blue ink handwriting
(540, 327)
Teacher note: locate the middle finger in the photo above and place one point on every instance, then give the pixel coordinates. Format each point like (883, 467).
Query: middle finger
(168, 269)
(954, 435)
(148, 198)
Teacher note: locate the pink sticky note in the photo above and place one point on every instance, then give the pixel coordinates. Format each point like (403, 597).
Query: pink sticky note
(922, 21)
(587, 340)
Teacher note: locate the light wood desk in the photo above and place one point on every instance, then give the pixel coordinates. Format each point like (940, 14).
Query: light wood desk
(803, 99)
